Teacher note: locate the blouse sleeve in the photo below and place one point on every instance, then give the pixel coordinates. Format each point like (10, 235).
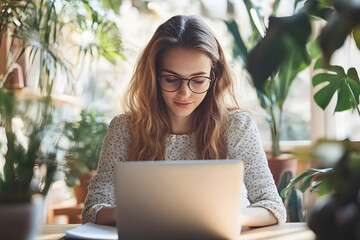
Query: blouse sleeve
(101, 188)
(244, 143)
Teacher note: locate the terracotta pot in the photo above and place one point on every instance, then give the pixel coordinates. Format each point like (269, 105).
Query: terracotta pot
(15, 79)
(20, 221)
(279, 165)
(82, 189)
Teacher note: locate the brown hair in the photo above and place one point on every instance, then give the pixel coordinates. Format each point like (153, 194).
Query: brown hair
(146, 108)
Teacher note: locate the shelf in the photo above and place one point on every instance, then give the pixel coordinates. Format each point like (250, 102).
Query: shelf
(30, 94)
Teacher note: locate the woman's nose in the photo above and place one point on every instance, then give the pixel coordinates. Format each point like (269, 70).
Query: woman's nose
(184, 89)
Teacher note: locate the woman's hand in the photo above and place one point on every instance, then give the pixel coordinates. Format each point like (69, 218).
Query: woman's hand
(106, 216)
(257, 217)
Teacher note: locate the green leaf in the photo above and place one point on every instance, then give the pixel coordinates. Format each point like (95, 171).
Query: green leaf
(333, 35)
(354, 83)
(350, 9)
(294, 181)
(240, 49)
(276, 6)
(319, 64)
(284, 35)
(305, 184)
(255, 33)
(347, 87)
(305, 173)
(356, 36)
(324, 95)
(297, 61)
(315, 51)
(314, 9)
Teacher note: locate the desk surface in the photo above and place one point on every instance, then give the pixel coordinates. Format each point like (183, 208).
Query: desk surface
(291, 231)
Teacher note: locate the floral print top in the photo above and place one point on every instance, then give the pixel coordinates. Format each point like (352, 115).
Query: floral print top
(243, 142)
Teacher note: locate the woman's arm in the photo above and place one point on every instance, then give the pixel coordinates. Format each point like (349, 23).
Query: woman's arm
(106, 216)
(256, 217)
(100, 197)
(244, 143)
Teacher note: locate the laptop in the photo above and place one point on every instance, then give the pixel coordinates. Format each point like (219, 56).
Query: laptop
(187, 199)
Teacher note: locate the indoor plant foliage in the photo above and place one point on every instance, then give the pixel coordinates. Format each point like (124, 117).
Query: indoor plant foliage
(273, 56)
(342, 22)
(29, 167)
(19, 182)
(337, 214)
(43, 30)
(85, 139)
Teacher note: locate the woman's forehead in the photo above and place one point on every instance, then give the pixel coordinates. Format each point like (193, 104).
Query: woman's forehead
(185, 62)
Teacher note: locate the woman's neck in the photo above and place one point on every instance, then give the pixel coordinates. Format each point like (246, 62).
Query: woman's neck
(180, 125)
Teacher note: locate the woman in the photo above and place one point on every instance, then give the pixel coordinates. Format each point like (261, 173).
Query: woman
(176, 109)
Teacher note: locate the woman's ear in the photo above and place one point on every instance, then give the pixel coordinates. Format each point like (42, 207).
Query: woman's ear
(214, 73)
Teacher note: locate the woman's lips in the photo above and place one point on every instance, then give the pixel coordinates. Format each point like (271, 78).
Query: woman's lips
(182, 104)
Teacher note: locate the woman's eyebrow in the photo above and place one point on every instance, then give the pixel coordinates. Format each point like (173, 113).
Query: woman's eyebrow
(172, 72)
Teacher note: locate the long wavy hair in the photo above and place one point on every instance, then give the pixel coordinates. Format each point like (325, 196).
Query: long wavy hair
(146, 109)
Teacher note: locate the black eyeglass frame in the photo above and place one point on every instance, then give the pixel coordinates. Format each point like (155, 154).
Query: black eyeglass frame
(185, 79)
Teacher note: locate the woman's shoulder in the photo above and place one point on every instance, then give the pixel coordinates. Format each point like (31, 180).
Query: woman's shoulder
(237, 116)
(120, 122)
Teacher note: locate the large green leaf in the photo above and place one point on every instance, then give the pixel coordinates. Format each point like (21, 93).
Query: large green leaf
(256, 33)
(285, 35)
(340, 25)
(333, 35)
(297, 61)
(347, 87)
(240, 49)
(307, 175)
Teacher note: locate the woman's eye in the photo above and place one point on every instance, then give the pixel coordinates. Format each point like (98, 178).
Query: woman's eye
(171, 80)
(198, 81)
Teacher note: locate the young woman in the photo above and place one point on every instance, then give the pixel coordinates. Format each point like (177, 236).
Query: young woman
(176, 109)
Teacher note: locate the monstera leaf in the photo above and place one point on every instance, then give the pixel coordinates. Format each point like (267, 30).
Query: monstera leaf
(284, 36)
(345, 85)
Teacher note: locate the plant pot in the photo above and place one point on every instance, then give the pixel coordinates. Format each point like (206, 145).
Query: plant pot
(15, 79)
(82, 189)
(279, 165)
(20, 220)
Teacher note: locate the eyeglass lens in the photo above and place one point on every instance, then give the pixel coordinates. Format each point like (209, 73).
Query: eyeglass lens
(172, 83)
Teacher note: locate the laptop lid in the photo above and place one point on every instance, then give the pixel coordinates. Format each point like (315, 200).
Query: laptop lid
(190, 199)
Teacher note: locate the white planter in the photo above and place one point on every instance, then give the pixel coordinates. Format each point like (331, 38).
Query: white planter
(20, 221)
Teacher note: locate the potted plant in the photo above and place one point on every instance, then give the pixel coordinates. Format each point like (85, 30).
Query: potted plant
(37, 28)
(29, 165)
(273, 57)
(336, 214)
(338, 173)
(84, 139)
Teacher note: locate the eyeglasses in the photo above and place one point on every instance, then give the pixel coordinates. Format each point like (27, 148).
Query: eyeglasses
(198, 85)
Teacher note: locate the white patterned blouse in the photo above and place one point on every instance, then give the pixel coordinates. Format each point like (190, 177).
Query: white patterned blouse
(243, 142)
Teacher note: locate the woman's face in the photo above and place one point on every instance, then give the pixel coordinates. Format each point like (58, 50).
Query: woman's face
(183, 63)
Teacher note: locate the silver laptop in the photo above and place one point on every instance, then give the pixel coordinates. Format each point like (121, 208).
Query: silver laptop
(190, 199)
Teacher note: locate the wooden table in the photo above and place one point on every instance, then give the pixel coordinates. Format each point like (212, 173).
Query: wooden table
(73, 213)
(293, 231)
